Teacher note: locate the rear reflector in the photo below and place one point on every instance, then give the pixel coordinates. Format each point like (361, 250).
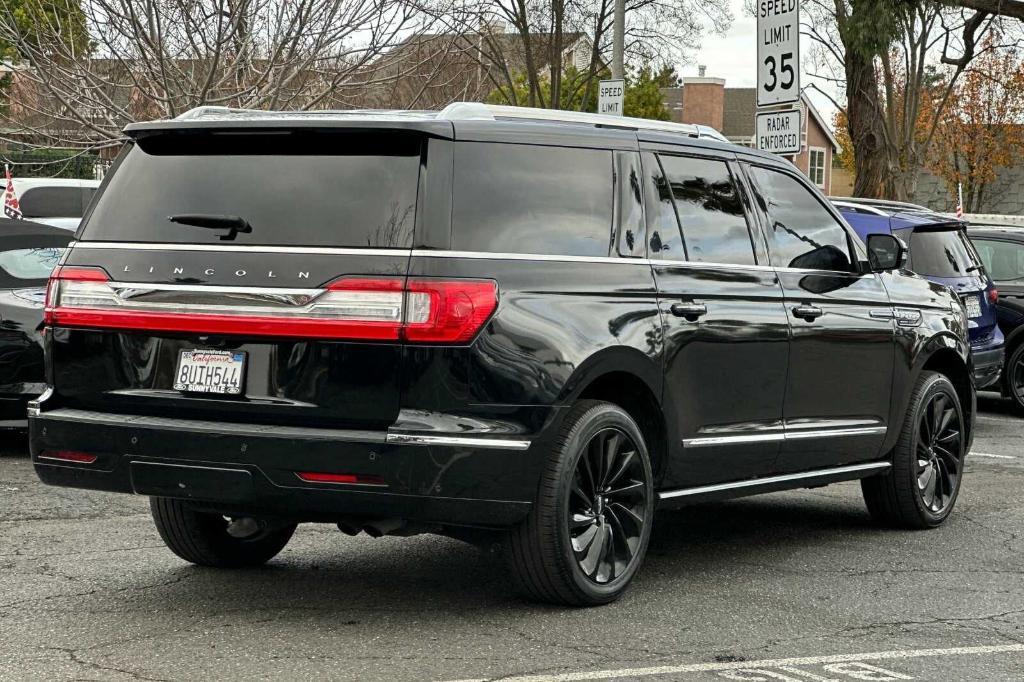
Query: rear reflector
(69, 456)
(417, 310)
(351, 479)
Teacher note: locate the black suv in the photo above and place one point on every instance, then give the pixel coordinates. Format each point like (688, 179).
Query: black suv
(481, 320)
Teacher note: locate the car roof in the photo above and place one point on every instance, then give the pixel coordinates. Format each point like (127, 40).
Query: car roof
(464, 121)
(22, 184)
(28, 228)
(900, 218)
(988, 230)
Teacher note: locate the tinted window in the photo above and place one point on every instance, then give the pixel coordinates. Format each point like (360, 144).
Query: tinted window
(52, 202)
(296, 188)
(710, 210)
(530, 199)
(629, 203)
(945, 253)
(665, 241)
(801, 233)
(1004, 261)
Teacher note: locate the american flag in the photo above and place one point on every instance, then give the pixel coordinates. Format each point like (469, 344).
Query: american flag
(12, 209)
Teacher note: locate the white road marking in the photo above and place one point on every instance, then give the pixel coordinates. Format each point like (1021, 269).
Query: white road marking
(771, 663)
(987, 454)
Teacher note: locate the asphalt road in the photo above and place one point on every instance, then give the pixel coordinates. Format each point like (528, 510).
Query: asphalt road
(792, 586)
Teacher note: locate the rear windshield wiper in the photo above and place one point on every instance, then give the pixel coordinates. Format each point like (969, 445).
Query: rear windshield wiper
(233, 223)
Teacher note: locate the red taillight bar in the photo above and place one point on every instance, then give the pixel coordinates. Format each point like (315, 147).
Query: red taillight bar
(69, 456)
(350, 479)
(417, 310)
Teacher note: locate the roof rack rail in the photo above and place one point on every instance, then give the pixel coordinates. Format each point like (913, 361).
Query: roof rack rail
(477, 111)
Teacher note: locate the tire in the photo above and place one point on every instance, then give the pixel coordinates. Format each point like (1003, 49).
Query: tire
(202, 538)
(1013, 377)
(594, 561)
(900, 497)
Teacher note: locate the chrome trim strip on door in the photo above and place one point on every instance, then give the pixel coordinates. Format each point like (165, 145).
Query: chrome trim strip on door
(771, 480)
(457, 441)
(773, 436)
(237, 248)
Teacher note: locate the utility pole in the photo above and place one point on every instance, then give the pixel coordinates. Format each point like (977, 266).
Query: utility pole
(618, 38)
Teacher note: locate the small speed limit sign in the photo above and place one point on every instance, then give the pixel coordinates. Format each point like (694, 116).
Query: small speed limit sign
(778, 52)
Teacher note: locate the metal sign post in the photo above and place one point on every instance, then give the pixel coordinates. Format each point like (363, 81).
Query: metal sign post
(610, 95)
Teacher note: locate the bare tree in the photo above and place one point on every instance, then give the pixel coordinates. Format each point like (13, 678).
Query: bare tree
(148, 59)
(896, 64)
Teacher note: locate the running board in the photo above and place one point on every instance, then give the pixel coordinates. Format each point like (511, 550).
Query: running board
(755, 486)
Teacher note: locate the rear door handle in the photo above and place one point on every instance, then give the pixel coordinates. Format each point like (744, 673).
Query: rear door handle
(691, 311)
(807, 312)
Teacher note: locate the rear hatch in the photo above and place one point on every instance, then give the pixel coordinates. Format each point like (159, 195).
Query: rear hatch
(944, 254)
(242, 275)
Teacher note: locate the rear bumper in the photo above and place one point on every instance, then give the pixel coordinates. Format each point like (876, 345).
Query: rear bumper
(988, 364)
(253, 469)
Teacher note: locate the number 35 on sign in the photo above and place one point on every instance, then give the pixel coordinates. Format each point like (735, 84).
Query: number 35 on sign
(778, 51)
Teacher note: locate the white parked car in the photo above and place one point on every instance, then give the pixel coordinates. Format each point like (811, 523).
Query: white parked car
(60, 202)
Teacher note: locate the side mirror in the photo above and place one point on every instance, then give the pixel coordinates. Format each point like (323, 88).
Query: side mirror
(886, 252)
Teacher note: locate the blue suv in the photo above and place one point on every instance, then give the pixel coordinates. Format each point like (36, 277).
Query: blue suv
(940, 251)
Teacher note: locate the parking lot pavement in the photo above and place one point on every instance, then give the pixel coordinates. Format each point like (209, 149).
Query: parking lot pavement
(792, 586)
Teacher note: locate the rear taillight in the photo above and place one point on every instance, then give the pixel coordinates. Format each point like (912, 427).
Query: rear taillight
(348, 479)
(418, 310)
(993, 295)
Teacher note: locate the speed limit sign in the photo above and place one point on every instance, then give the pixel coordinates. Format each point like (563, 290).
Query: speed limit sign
(778, 52)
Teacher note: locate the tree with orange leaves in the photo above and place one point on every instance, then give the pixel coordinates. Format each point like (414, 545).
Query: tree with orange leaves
(982, 126)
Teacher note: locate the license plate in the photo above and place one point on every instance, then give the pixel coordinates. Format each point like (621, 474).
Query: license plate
(973, 304)
(210, 371)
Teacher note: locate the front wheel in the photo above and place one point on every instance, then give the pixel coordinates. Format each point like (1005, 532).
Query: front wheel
(210, 539)
(587, 533)
(927, 463)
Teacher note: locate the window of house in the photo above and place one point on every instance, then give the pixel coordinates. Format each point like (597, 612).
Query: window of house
(816, 166)
(710, 210)
(802, 233)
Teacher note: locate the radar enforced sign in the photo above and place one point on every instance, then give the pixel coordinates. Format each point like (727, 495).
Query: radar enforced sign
(778, 52)
(779, 132)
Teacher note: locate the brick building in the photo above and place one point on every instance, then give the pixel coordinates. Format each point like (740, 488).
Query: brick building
(732, 111)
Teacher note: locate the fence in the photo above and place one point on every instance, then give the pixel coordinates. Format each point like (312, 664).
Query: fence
(54, 163)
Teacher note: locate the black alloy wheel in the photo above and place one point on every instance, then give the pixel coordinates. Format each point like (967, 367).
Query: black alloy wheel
(1013, 377)
(939, 444)
(587, 531)
(608, 505)
(922, 486)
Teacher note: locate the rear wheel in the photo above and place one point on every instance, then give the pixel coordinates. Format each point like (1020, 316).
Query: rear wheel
(1013, 377)
(210, 539)
(587, 533)
(927, 463)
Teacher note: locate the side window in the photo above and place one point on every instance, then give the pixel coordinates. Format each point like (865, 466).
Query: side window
(629, 204)
(531, 199)
(1004, 261)
(52, 202)
(801, 233)
(710, 210)
(664, 240)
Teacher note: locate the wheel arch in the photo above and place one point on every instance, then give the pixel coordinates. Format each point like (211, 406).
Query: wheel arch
(951, 364)
(632, 380)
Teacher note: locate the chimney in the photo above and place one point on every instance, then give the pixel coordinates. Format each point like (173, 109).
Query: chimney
(701, 70)
(704, 100)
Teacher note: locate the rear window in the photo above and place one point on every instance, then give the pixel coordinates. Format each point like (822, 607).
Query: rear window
(942, 253)
(295, 188)
(531, 199)
(53, 202)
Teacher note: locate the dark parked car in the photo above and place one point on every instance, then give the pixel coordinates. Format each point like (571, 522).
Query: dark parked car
(28, 253)
(940, 250)
(1002, 251)
(470, 323)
